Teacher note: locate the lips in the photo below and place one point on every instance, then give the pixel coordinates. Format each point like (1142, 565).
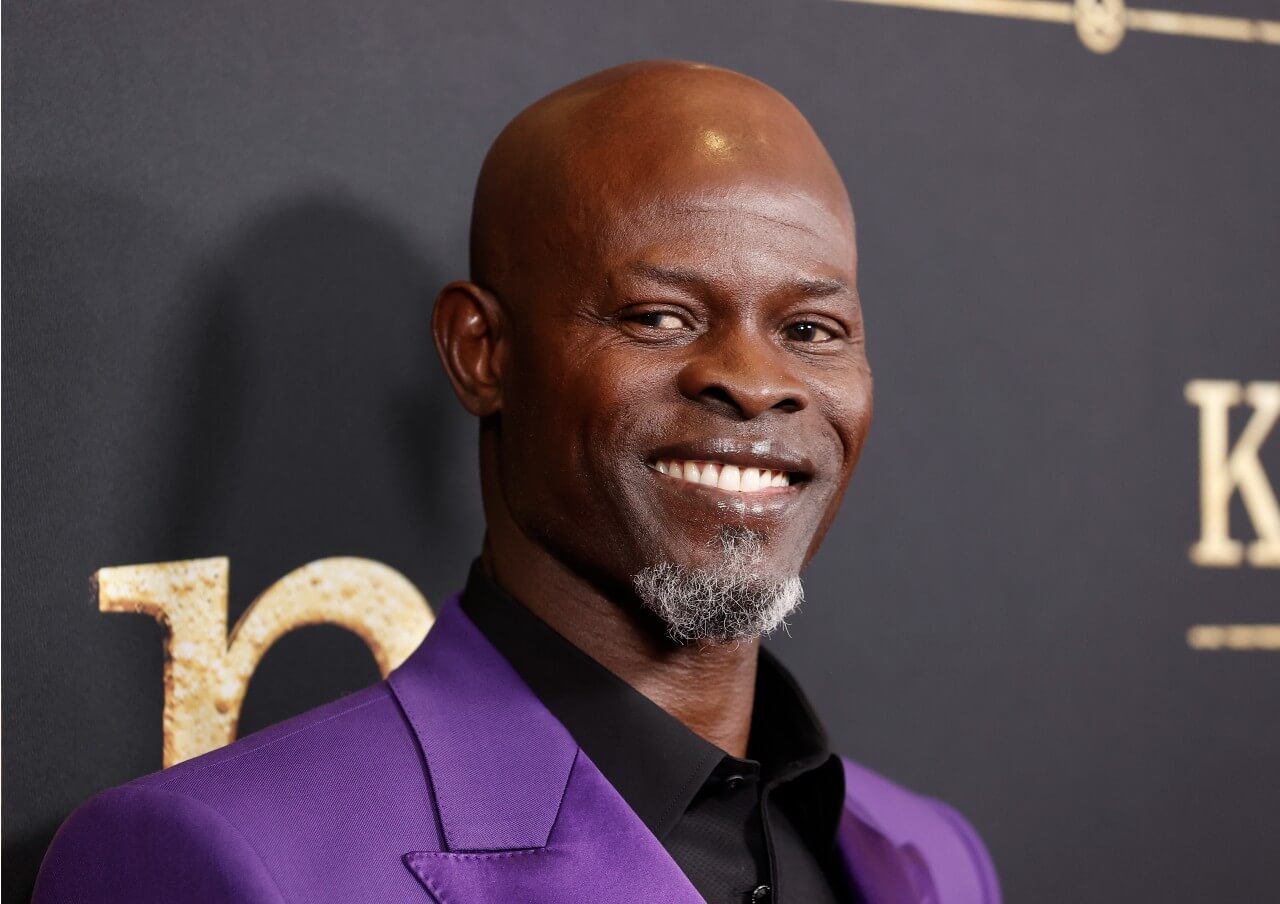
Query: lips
(733, 465)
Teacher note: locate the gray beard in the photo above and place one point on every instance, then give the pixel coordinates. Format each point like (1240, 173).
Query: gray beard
(733, 600)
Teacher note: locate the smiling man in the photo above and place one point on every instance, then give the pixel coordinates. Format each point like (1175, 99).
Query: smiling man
(663, 343)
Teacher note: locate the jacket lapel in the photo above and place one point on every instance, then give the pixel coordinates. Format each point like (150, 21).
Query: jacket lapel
(598, 851)
(883, 872)
(524, 814)
(882, 834)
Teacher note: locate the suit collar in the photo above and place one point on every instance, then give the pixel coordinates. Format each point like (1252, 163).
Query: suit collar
(598, 852)
(654, 761)
(497, 760)
(525, 815)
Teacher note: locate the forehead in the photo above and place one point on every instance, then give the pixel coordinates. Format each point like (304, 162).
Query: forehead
(743, 232)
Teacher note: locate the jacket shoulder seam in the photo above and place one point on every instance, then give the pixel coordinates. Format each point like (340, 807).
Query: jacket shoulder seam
(203, 767)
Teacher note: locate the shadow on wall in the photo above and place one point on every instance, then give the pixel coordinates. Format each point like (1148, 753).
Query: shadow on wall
(309, 378)
(277, 401)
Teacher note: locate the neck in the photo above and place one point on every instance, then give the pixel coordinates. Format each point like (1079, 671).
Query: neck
(710, 688)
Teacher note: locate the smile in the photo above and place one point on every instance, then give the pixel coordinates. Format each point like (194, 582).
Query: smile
(724, 476)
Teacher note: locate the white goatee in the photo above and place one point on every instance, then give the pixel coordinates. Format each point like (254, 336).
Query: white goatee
(732, 600)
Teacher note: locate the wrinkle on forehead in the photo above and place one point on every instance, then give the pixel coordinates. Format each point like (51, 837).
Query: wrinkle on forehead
(795, 208)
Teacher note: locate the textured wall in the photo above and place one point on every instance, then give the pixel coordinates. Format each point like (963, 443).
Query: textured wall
(224, 224)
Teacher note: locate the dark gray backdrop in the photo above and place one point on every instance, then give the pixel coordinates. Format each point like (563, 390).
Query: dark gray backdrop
(223, 226)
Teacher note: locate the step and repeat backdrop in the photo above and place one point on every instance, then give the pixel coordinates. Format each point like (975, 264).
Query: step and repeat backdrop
(237, 484)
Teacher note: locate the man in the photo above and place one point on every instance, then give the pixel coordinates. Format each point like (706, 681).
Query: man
(663, 343)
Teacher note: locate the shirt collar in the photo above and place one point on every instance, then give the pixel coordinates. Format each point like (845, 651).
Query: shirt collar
(654, 762)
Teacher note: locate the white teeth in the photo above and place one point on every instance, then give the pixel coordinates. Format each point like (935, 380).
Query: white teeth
(724, 477)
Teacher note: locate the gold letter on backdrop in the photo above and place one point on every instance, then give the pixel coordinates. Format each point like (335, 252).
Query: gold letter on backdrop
(206, 674)
(1224, 470)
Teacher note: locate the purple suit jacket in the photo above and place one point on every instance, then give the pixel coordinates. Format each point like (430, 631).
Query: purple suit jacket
(448, 782)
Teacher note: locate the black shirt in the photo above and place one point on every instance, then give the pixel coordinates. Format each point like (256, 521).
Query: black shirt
(761, 829)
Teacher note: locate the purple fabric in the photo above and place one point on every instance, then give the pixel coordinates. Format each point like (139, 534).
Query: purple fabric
(904, 847)
(449, 782)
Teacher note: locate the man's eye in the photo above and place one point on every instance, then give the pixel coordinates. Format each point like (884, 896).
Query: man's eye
(659, 320)
(808, 332)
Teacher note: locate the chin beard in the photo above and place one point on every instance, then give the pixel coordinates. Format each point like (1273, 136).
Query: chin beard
(733, 599)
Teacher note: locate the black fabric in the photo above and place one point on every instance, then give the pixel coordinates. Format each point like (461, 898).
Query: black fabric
(758, 829)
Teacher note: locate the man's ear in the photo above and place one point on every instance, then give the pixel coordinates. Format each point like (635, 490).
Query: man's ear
(467, 325)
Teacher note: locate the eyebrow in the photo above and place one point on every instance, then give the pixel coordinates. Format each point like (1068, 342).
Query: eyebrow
(810, 286)
(821, 286)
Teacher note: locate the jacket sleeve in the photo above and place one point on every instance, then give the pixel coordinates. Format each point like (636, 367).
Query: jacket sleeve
(151, 846)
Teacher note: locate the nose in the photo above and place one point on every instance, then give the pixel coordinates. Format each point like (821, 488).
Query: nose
(744, 375)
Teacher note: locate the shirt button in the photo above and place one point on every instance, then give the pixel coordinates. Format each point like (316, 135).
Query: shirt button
(761, 894)
(733, 783)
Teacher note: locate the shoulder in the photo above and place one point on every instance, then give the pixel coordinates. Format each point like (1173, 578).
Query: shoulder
(239, 822)
(931, 833)
(298, 750)
(140, 844)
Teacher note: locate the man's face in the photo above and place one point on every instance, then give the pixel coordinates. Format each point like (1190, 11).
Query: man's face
(710, 332)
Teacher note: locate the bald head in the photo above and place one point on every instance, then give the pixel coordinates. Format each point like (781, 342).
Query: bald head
(628, 142)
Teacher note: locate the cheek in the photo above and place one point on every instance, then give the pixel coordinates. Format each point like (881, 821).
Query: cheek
(622, 409)
(849, 409)
(574, 458)
(538, 446)
(570, 423)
